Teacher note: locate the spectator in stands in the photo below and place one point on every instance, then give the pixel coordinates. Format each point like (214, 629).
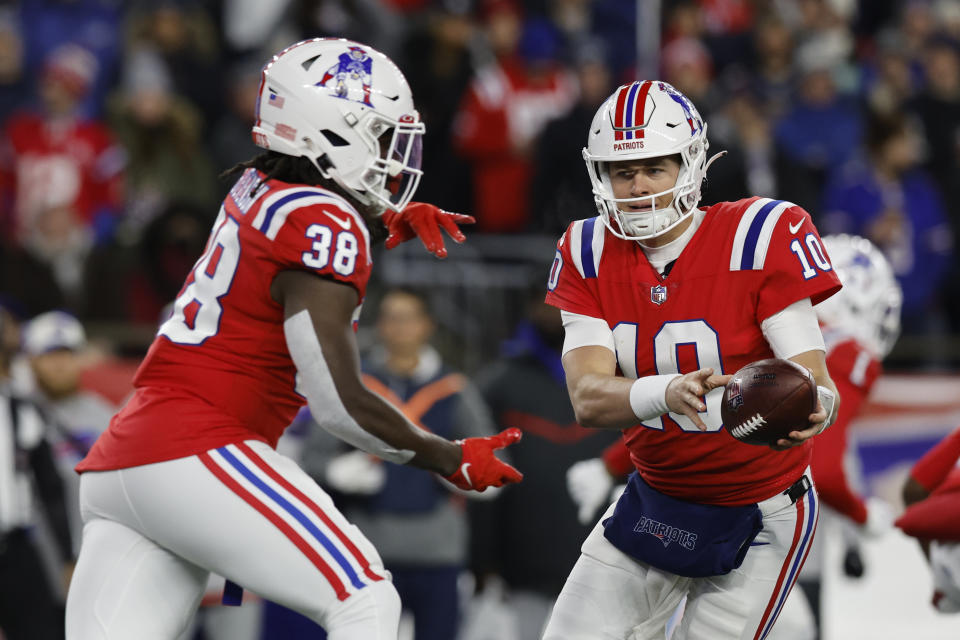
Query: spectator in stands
(938, 107)
(63, 172)
(28, 603)
(773, 45)
(417, 523)
(889, 200)
(526, 388)
(94, 25)
(13, 77)
(743, 129)
(230, 141)
(507, 106)
(820, 132)
(438, 60)
(161, 134)
(687, 66)
(183, 35)
(54, 343)
(561, 193)
(891, 79)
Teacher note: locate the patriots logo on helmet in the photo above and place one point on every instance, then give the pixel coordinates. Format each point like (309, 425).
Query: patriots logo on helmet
(351, 77)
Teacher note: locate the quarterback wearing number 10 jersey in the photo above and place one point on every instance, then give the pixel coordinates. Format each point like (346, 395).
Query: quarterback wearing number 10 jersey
(219, 371)
(747, 261)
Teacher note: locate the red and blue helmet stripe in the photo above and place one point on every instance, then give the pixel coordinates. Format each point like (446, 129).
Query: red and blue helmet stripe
(629, 116)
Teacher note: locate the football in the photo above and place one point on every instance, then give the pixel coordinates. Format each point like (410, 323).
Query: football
(767, 399)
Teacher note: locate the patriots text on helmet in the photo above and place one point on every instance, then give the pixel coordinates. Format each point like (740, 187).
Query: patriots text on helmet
(625, 146)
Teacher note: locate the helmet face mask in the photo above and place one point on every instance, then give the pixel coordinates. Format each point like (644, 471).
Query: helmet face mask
(639, 121)
(348, 109)
(868, 306)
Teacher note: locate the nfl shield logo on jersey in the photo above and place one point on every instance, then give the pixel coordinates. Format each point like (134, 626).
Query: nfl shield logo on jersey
(658, 294)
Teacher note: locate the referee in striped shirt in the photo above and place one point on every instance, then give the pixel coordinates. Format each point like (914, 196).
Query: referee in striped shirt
(29, 608)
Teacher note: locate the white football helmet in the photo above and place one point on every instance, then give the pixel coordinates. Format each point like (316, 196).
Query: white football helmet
(647, 119)
(348, 109)
(868, 306)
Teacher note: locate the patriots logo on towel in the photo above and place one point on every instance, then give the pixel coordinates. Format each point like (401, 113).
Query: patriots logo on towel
(658, 294)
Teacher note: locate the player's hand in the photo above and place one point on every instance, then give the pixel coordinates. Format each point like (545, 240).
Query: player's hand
(589, 484)
(819, 420)
(480, 468)
(684, 393)
(424, 220)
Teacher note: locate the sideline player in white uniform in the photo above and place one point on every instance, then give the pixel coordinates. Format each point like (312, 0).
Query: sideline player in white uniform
(186, 481)
(860, 326)
(661, 301)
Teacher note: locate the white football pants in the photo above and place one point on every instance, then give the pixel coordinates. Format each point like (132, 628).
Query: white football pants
(610, 596)
(153, 533)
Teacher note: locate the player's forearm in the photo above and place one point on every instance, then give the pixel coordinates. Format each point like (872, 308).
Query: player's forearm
(385, 422)
(602, 402)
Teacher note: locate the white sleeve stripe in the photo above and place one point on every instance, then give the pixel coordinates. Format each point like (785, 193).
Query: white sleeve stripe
(576, 239)
(277, 206)
(736, 256)
(280, 213)
(766, 233)
(599, 234)
(271, 200)
(754, 233)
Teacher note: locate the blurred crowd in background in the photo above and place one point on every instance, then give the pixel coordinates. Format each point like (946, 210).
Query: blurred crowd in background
(118, 117)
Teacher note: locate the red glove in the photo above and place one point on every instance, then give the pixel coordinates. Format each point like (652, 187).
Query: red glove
(423, 220)
(479, 468)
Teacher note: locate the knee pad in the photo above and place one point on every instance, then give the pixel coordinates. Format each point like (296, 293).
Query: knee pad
(373, 613)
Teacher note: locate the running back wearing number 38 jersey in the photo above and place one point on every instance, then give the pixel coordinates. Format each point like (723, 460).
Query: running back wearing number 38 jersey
(186, 481)
(221, 359)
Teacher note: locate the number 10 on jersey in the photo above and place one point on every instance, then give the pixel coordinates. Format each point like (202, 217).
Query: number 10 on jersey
(695, 333)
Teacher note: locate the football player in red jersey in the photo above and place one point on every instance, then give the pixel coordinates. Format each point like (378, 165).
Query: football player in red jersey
(932, 496)
(860, 326)
(186, 480)
(661, 301)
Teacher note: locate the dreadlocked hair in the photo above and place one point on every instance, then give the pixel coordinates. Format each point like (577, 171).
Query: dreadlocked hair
(299, 170)
(280, 166)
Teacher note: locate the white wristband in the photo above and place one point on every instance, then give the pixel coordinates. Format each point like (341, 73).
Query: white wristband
(648, 396)
(828, 399)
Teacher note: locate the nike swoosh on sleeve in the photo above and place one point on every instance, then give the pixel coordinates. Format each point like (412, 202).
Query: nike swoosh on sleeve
(794, 228)
(343, 222)
(463, 472)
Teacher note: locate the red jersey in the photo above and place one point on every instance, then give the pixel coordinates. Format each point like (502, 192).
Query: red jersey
(747, 261)
(70, 163)
(854, 370)
(219, 371)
